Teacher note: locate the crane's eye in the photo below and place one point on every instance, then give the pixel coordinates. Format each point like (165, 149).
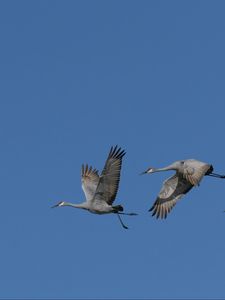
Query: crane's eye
(182, 162)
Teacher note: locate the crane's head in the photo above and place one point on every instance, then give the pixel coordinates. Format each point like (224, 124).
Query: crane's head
(61, 203)
(148, 171)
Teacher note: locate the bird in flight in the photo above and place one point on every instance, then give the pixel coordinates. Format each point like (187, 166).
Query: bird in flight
(188, 174)
(100, 191)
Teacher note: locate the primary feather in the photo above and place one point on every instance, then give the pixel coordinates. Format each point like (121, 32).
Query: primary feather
(109, 180)
(173, 189)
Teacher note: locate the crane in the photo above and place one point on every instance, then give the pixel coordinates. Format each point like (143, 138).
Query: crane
(188, 174)
(100, 191)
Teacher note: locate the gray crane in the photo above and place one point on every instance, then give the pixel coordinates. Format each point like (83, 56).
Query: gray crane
(188, 174)
(100, 191)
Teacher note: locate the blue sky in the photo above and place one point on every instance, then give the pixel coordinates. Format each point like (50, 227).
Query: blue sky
(76, 78)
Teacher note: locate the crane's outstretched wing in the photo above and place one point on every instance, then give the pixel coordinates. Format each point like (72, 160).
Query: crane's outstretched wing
(194, 170)
(110, 177)
(89, 180)
(173, 189)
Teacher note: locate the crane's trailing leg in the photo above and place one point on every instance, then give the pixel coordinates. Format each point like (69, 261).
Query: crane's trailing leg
(216, 175)
(116, 210)
(121, 222)
(119, 208)
(128, 214)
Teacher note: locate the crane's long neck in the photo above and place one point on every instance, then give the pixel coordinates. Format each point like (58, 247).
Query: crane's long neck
(168, 168)
(79, 205)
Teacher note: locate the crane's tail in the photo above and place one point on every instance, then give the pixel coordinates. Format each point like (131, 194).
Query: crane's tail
(118, 208)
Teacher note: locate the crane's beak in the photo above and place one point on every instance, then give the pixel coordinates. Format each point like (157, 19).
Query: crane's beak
(148, 171)
(145, 172)
(61, 203)
(54, 206)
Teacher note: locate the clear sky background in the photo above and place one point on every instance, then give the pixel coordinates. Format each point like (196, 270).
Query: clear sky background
(76, 78)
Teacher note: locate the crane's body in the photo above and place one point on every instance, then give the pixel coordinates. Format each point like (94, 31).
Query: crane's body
(189, 174)
(100, 191)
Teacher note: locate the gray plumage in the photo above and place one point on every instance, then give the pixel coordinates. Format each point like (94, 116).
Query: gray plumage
(100, 191)
(189, 173)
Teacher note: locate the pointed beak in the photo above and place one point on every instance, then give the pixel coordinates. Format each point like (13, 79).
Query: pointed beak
(56, 205)
(145, 172)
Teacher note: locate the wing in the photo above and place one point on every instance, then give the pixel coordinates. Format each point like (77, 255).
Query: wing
(194, 170)
(89, 180)
(173, 189)
(110, 177)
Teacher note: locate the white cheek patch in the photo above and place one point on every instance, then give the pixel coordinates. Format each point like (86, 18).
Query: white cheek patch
(61, 204)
